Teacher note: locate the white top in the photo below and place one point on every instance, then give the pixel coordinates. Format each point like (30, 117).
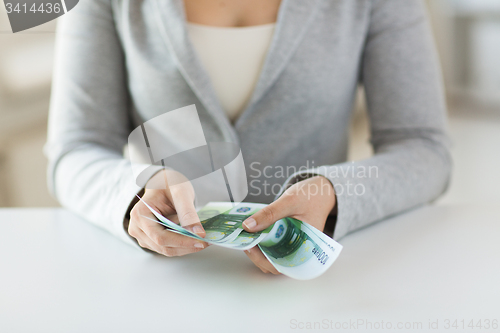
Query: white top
(233, 58)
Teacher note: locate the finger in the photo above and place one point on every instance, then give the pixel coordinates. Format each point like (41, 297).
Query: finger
(262, 266)
(174, 218)
(260, 260)
(162, 237)
(144, 241)
(268, 215)
(257, 264)
(158, 201)
(186, 212)
(147, 243)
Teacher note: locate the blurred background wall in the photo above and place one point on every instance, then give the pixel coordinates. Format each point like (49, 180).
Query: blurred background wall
(26, 61)
(467, 34)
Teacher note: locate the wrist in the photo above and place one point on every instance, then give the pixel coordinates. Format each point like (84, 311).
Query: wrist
(331, 220)
(135, 199)
(328, 190)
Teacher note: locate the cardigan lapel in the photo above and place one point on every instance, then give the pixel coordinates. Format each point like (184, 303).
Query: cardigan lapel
(294, 18)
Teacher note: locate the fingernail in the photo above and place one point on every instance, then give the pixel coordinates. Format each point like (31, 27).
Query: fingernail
(199, 245)
(197, 229)
(250, 223)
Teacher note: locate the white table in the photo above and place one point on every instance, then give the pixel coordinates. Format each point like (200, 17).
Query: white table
(61, 274)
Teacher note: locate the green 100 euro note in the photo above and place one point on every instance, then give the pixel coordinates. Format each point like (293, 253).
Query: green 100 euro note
(295, 248)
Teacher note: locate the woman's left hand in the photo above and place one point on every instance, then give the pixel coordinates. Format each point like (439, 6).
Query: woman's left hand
(310, 201)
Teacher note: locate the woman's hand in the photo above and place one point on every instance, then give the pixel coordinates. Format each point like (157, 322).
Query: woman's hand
(310, 201)
(175, 199)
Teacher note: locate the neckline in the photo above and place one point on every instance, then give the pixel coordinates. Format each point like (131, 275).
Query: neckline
(245, 28)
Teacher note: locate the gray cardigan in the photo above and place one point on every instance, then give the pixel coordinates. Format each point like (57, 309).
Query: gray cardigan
(122, 62)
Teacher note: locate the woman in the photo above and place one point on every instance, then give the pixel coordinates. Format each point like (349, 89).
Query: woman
(281, 83)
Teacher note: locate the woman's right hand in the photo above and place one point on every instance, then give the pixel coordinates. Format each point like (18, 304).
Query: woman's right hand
(168, 200)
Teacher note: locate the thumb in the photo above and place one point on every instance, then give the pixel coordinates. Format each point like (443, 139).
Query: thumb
(188, 218)
(268, 215)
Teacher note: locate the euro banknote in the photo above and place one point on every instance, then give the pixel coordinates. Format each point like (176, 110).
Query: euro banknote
(293, 247)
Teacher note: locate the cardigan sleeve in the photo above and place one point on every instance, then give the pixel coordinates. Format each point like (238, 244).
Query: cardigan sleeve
(411, 164)
(89, 120)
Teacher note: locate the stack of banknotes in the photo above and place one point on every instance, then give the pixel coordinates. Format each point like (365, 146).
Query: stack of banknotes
(293, 247)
